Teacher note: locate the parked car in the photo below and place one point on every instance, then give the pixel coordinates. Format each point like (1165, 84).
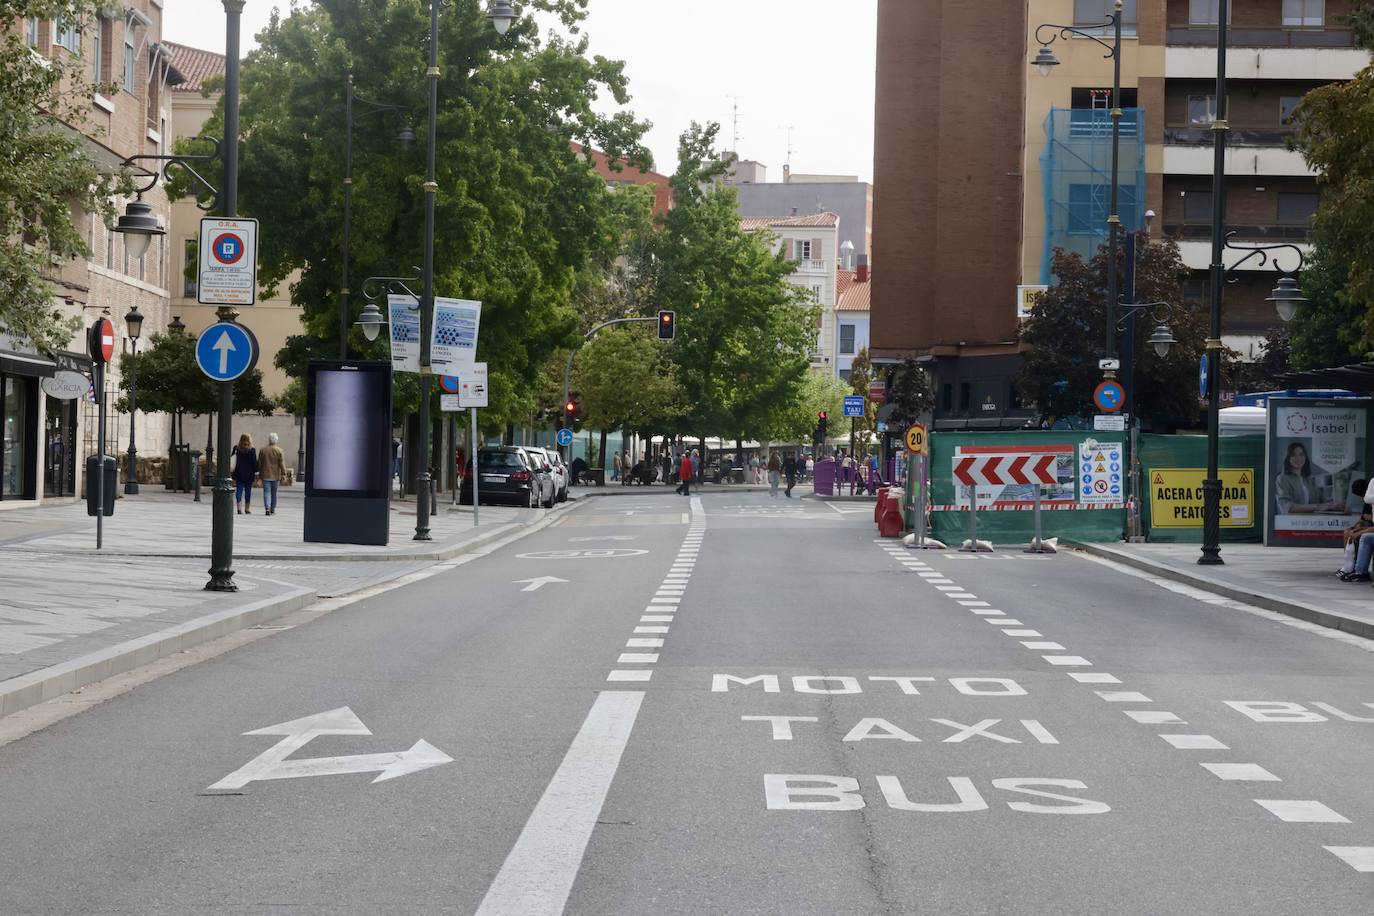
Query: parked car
(543, 468)
(505, 475)
(561, 476)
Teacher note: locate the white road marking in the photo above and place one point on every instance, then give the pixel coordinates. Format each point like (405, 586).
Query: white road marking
(941, 581)
(1195, 743)
(637, 658)
(1154, 717)
(538, 874)
(1016, 632)
(651, 629)
(1044, 646)
(931, 575)
(1069, 661)
(992, 612)
(630, 675)
(1360, 858)
(1296, 811)
(960, 595)
(1240, 772)
(948, 588)
(658, 600)
(642, 642)
(1123, 696)
(1003, 621)
(1039, 732)
(974, 603)
(1092, 677)
(656, 618)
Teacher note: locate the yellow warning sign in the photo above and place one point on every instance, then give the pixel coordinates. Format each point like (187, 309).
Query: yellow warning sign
(916, 439)
(1101, 469)
(1176, 497)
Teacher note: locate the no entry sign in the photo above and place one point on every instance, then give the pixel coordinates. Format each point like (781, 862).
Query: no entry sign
(228, 262)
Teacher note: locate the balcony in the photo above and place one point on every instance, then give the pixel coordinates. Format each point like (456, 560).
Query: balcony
(1274, 61)
(1237, 136)
(1241, 161)
(812, 266)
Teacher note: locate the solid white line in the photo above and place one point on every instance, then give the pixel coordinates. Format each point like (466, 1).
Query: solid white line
(1195, 743)
(1360, 858)
(538, 874)
(1123, 696)
(637, 658)
(1240, 772)
(1296, 811)
(625, 675)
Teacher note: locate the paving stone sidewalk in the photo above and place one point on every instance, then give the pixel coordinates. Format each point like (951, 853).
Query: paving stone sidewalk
(1299, 582)
(63, 603)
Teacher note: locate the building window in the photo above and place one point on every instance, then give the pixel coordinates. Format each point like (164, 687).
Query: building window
(31, 32)
(1296, 208)
(1303, 14)
(1197, 206)
(1202, 110)
(98, 51)
(844, 375)
(965, 397)
(109, 248)
(1287, 104)
(130, 61)
(1089, 205)
(188, 268)
(1202, 14)
(946, 397)
(1095, 12)
(801, 249)
(847, 340)
(66, 35)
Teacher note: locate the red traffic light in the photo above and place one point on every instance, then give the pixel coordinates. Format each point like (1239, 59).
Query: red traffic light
(570, 407)
(667, 324)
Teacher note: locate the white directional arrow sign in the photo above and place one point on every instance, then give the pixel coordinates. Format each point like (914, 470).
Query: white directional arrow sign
(272, 763)
(224, 346)
(536, 584)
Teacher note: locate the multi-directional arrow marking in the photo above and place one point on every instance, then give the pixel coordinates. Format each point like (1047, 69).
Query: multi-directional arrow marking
(272, 763)
(536, 584)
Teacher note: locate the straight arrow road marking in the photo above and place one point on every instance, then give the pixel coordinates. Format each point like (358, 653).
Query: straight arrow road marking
(536, 584)
(273, 763)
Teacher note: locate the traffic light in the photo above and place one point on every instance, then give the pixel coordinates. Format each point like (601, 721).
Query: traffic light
(572, 411)
(667, 325)
(820, 426)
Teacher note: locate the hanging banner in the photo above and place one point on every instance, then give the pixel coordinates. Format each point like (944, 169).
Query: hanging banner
(1314, 452)
(403, 314)
(453, 341)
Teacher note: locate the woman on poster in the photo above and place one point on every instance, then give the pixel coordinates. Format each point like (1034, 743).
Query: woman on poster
(1295, 492)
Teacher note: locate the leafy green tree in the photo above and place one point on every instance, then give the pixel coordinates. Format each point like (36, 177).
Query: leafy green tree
(45, 172)
(627, 381)
(795, 420)
(518, 216)
(1332, 328)
(909, 393)
(1267, 370)
(744, 333)
(860, 380)
(1067, 325)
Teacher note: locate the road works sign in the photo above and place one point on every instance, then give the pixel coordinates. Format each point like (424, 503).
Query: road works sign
(1004, 470)
(1176, 497)
(228, 262)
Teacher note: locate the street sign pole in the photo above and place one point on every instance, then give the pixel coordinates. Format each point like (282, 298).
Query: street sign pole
(100, 453)
(475, 447)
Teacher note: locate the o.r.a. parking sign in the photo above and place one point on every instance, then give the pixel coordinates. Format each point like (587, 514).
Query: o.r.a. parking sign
(228, 262)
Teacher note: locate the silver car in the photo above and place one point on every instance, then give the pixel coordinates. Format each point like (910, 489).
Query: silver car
(561, 475)
(543, 474)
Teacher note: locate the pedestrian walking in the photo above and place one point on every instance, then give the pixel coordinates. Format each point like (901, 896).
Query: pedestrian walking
(696, 466)
(685, 473)
(271, 464)
(754, 470)
(789, 470)
(615, 467)
(774, 474)
(667, 467)
(245, 471)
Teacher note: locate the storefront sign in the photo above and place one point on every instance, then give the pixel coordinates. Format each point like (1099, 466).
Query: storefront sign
(1315, 451)
(66, 385)
(1176, 497)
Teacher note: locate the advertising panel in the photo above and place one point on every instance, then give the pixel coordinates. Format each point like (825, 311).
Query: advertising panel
(348, 429)
(1314, 451)
(403, 314)
(453, 338)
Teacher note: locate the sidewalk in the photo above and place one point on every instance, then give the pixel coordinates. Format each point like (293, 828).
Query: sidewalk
(1298, 582)
(71, 615)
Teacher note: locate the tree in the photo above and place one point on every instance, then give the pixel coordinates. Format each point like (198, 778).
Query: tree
(909, 393)
(518, 216)
(45, 171)
(860, 380)
(1332, 328)
(744, 333)
(1266, 372)
(795, 419)
(1067, 325)
(627, 381)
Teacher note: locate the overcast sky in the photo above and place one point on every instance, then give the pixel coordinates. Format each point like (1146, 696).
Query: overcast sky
(804, 64)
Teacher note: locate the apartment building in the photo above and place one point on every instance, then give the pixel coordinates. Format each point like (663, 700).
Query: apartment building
(853, 298)
(1277, 51)
(812, 240)
(49, 419)
(844, 195)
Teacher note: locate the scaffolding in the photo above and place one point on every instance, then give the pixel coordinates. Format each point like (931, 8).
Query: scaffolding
(1076, 168)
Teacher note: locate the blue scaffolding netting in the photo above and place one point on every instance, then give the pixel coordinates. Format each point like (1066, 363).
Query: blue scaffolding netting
(1077, 171)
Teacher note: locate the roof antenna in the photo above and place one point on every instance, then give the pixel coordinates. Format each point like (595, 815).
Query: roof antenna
(735, 137)
(789, 128)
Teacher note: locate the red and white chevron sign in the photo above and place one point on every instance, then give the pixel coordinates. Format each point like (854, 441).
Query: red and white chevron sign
(1001, 470)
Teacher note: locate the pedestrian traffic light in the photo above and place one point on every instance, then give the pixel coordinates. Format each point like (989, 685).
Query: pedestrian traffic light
(667, 325)
(820, 426)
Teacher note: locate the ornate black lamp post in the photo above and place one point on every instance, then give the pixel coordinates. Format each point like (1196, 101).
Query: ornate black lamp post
(134, 323)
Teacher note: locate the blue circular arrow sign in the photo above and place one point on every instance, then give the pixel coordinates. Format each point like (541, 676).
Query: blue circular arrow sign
(1202, 387)
(226, 350)
(565, 437)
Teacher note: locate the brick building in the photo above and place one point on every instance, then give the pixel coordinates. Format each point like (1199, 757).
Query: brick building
(48, 426)
(629, 174)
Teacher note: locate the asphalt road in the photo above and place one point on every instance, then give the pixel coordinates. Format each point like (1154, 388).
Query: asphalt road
(732, 705)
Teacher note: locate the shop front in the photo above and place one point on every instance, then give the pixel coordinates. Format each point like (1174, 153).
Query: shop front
(20, 373)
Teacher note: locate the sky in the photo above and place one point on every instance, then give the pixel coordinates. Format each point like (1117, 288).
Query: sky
(806, 65)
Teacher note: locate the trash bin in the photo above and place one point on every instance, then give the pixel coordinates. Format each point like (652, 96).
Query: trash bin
(194, 482)
(179, 468)
(92, 484)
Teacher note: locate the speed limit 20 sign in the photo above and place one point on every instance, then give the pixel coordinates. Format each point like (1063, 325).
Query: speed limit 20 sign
(228, 262)
(916, 439)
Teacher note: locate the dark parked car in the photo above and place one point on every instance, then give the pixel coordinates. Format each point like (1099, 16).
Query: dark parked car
(505, 475)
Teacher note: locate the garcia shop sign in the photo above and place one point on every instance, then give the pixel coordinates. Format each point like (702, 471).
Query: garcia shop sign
(1315, 453)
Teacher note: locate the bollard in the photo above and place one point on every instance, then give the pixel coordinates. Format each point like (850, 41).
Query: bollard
(1037, 544)
(972, 521)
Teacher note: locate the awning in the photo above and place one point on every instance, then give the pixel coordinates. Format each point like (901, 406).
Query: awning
(30, 364)
(1358, 377)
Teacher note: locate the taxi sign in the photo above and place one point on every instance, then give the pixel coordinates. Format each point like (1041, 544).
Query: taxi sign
(916, 439)
(1176, 497)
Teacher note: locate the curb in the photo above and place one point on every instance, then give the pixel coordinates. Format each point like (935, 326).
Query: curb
(48, 683)
(1310, 613)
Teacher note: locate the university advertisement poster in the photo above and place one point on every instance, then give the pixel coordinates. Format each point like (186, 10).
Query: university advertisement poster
(1315, 450)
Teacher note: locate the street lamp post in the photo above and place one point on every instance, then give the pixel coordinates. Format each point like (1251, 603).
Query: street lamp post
(406, 136)
(133, 321)
(1045, 61)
